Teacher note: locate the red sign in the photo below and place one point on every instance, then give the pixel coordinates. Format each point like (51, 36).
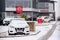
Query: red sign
(44, 11)
(39, 20)
(19, 9)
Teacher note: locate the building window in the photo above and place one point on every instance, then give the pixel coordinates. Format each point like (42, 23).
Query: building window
(36, 15)
(51, 6)
(43, 0)
(10, 3)
(24, 3)
(27, 15)
(14, 3)
(42, 5)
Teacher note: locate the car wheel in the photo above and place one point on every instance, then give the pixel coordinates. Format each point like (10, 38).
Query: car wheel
(11, 34)
(23, 33)
(26, 33)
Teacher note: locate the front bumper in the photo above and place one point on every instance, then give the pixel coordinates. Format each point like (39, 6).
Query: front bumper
(18, 31)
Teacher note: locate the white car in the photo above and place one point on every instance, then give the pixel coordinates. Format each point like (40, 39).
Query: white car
(46, 18)
(6, 21)
(18, 26)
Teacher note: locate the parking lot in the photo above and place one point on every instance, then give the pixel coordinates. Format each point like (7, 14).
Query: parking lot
(41, 33)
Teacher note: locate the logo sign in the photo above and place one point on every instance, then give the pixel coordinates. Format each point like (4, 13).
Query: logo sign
(40, 20)
(19, 9)
(44, 11)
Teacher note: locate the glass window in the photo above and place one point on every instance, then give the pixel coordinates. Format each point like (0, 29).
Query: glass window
(51, 7)
(13, 3)
(25, 4)
(43, 0)
(36, 15)
(27, 15)
(9, 3)
(42, 5)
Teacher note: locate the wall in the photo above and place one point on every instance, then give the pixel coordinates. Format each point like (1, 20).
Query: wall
(57, 8)
(2, 5)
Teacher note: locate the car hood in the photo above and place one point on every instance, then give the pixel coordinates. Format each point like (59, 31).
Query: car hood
(19, 25)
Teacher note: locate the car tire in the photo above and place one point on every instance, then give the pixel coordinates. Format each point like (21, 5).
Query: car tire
(26, 33)
(10, 33)
(23, 33)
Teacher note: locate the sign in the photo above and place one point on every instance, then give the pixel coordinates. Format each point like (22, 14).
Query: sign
(40, 20)
(19, 9)
(44, 11)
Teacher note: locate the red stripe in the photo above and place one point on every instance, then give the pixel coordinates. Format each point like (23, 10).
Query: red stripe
(44, 11)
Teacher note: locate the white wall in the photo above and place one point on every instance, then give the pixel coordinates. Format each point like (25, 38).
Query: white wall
(57, 8)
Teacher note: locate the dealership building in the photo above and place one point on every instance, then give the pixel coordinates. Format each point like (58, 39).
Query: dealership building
(31, 9)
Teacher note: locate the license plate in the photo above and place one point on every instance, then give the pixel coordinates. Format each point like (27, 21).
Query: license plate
(19, 31)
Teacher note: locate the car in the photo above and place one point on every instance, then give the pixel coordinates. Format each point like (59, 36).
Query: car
(46, 18)
(6, 21)
(18, 26)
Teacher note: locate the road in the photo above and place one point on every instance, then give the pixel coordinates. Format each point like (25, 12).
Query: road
(56, 34)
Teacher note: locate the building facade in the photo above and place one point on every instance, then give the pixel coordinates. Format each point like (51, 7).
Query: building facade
(31, 9)
(2, 9)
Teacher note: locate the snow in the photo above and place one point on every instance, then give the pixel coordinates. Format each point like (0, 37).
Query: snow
(56, 34)
(3, 29)
(43, 31)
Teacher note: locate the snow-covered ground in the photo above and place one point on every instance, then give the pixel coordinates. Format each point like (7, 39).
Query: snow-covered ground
(43, 33)
(56, 34)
